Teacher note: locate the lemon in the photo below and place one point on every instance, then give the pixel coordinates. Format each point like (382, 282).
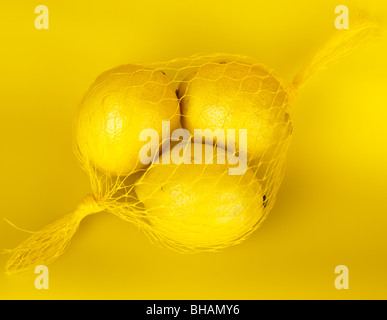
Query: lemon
(120, 104)
(200, 205)
(237, 95)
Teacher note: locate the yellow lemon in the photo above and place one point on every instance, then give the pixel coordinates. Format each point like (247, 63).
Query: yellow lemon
(120, 104)
(200, 205)
(237, 95)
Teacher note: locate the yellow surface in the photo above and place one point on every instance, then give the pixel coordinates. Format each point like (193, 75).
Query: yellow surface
(330, 210)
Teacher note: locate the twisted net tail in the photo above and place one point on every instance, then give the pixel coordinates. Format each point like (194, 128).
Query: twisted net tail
(360, 31)
(44, 246)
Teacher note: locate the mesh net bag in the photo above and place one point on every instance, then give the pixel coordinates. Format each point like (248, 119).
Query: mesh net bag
(192, 150)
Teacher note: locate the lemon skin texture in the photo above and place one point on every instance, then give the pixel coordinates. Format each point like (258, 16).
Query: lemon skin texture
(120, 104)
(200, 205)
(237, 95)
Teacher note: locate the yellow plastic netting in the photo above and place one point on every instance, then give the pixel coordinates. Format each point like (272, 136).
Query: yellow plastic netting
(203, 190)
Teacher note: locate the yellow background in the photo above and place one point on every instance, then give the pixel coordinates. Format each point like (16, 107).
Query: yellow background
(330, 210)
